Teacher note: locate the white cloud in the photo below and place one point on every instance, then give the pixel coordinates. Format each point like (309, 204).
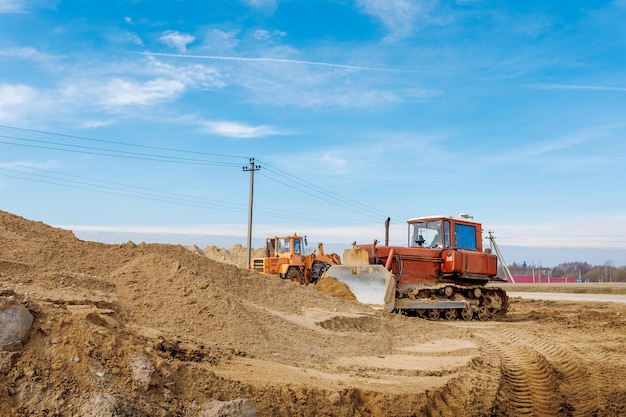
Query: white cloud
(92, 124)
(154, 83)
(117, 92)
(219, 41)
(26, 166)
(24, 53)
(265, 35)
(331, 161)
(23, 6)
(337, 164)
(134, 39)
(106, 88)
(316, 93)
(398, 16)
(238, 130)
(16, 99)
(301, 83)
(16, 94)
(563, 142)
(265, 6)
(12, 6)
(177, 40)
(555, 147)
(192, 75)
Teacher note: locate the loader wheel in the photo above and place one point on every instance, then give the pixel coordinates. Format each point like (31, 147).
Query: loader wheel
(293, 274)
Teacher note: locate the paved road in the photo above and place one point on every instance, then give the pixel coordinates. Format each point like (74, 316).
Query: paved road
(569, 297)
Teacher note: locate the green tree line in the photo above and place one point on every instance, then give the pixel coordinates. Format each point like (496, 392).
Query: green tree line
(583, 270)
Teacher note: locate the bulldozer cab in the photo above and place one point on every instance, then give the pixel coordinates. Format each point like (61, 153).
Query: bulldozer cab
(429, 234)
(445, 233)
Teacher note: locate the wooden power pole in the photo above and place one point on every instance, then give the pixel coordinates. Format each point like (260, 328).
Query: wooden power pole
(251, 169)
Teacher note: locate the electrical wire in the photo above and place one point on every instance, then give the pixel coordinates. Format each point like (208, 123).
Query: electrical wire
(293, 182)
(311, 189)
(144, 193)
(43, 132)
(88, 150)
(318, 197)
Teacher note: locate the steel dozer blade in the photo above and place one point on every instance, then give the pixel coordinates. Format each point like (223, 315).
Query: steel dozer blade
(372, 285)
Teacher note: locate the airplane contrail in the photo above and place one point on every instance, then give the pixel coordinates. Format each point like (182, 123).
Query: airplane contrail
(279, 60)
(573, 87)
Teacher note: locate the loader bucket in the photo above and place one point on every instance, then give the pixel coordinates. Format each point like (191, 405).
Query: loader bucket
(372, 285)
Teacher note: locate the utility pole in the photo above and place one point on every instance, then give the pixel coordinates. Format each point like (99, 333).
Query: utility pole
(251, 169)
(492, 240)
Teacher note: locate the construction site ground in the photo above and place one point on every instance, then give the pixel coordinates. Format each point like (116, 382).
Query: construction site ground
(140, 329)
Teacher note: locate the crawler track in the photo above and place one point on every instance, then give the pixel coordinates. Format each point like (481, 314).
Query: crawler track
(481, 303)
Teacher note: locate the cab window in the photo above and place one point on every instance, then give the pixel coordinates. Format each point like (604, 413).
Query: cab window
(425, 234)
(282, 245)
(465, 236)
(297, 244)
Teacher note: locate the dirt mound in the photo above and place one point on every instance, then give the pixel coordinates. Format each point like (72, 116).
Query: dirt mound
(166, 330)
(235, 255)
(331, 286)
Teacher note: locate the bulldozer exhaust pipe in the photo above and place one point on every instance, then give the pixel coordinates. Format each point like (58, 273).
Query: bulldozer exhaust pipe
(387, 231)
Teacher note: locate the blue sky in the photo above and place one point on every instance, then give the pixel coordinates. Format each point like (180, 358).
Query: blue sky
(132, 120)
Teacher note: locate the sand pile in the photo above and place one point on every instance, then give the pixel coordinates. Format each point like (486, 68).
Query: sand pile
(165, 330)
(235, 255)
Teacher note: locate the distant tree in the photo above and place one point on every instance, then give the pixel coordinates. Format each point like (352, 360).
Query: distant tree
(558, 272)
(619, 274)
(571, 269)
(516, 269)
(608, 271)
(596, 274)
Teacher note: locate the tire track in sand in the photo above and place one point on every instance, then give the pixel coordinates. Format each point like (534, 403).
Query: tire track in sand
(577, 383)
(529, 383)
(467, 394)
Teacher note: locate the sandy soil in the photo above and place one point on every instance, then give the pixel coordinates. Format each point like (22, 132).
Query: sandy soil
(162, 330)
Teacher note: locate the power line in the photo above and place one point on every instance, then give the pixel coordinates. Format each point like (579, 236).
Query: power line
(294, 183)
(87, 150)
(324, 193)
(318, 197)
(119, 143)
(91, 184)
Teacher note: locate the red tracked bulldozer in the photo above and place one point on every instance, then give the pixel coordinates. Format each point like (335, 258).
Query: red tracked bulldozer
(443, 272)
